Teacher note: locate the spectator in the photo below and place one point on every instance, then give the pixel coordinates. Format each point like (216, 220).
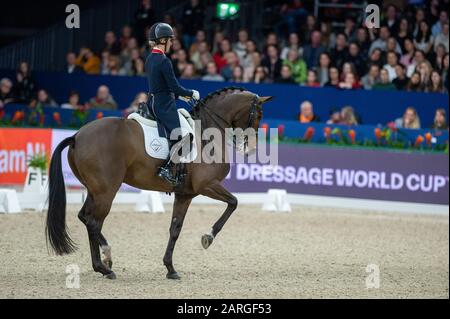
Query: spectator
(424, 40)
(409, 50)
(425, 70)
(251, 59)
(260, 75)
(192, 19)
(141, 97)
(381, 42)
(438, 27)
(371, 78)
(138, 67)
(74, 102)
(201, 57)
(392, 45)
(419, 57)
(385, 83)
(392, 61)
(306, 114)
(272, 63)
(401, 80)
(237, 74)
(349, 29)
(43, 99)
(335, 117)
(293, 44)
(111, 43)
(311, 52)
(127, 51)
(311, 80)
(324, 68)
(376, 58)
(355, 57)
(103, 99)
(442, 38)
(217, 41)
(6, 92)
(420, 16)
(350, 82)
(200, 37)
(143, 18)
(348, 116)
(440, 120)
(240, 47)
(189, 72)
(297, 66)
(211, 73)
(444, 70)
(113, 67)
(180, 62)
(414, 84)
(340, 53)
(390, 21)
(232, 62)
(219, 56)
(403, 33)
(125, 36)
(286, 76)
(25, 86)
(333, 75)
(362, 39)
(436, 84)
(72, 67)
(88, 61)
(409, 120)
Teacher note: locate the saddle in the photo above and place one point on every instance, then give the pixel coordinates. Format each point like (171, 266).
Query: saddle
(155, 141)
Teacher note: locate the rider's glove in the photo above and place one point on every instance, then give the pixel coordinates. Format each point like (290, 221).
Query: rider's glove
(195, 95)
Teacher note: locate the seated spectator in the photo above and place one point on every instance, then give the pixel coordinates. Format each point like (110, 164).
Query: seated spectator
(381, 42)
(392, 61)
(111, 44)
(72, 67)
(272, 63)
(217, 41)
(440, 120)
(125, 36)
(424, 39)
(211, 73)
(376, 57)
(141, 97)
(237, 74)
(180, 62)
(219, 56)
(350, 82)
(306, 114)
(103, 99)
(88, 61)
(414, 84)
(340, 53)
(348, 116)
(200, 37)
(260, 75)
(392, 45)
(143, 17)
(362, 39)
(401, 81)
(409, 120)
(293, 44)
(324, 68)
(311, 79)
(286, 76)
(297, 66)
(113, 67)
(425, 70)
(335, 117)
(436, 84)
(74, 102)
(408, 56)
(442, 38)
(403, 33)
(371, 78)
(127, 51)
(232, 62)
(251, 60)
(439, 26)
(6, 92)
(311, 52)
(43, 99)
(240, 47)
(355, 57)
(138, 67)
(189, 72)
(347, 67)
(444, 70)
(24, 88)
(419, 57)
(385, 84)
(333, 75)
(201, 57)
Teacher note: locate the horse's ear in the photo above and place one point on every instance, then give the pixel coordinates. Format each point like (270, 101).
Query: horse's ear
(264, 99)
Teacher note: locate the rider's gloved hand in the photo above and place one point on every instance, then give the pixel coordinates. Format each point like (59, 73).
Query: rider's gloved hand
(195, 95)
(184, 98)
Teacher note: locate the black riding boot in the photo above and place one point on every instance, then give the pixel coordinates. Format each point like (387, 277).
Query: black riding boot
(165, 171)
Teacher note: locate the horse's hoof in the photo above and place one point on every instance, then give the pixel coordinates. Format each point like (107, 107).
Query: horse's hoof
(207, 240)
(111, 275)
(173, 275)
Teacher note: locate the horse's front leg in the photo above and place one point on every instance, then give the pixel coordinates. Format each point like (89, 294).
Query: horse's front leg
(217, 191)
(180, 207)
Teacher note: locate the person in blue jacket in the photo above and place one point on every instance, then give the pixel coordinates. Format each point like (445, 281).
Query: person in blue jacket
(164, 89)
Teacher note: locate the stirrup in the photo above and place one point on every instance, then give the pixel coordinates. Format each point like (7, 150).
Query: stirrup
(165, 174)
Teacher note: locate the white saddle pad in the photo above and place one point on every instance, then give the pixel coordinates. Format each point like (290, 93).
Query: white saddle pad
(158, 147)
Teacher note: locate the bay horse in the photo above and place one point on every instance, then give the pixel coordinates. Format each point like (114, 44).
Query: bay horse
(107, 152)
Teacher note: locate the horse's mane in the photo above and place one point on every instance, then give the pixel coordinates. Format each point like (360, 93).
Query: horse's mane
(202, 102)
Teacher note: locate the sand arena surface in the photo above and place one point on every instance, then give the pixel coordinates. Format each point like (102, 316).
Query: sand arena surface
(310, 253)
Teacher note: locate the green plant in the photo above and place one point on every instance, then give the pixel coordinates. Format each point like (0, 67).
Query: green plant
(38, 161)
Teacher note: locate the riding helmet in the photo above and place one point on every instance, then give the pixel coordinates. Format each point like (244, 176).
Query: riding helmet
(159, 31)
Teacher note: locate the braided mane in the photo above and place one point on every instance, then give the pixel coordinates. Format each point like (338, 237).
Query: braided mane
(203, 101)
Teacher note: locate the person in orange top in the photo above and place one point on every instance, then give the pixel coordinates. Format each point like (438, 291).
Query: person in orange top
(88, 61)
(307, 113)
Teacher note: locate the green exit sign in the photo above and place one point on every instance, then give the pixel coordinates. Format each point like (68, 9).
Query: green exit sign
(227, 10)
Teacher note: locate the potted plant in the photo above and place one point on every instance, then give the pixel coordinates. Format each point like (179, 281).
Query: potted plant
(36, 180)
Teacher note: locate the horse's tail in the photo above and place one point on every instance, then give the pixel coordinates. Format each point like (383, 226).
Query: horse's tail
(55, 227)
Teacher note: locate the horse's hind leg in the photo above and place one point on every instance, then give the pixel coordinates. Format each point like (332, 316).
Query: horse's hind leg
(106, 251)
(92, 215)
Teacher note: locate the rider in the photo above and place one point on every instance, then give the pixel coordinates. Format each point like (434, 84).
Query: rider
(164, 88)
